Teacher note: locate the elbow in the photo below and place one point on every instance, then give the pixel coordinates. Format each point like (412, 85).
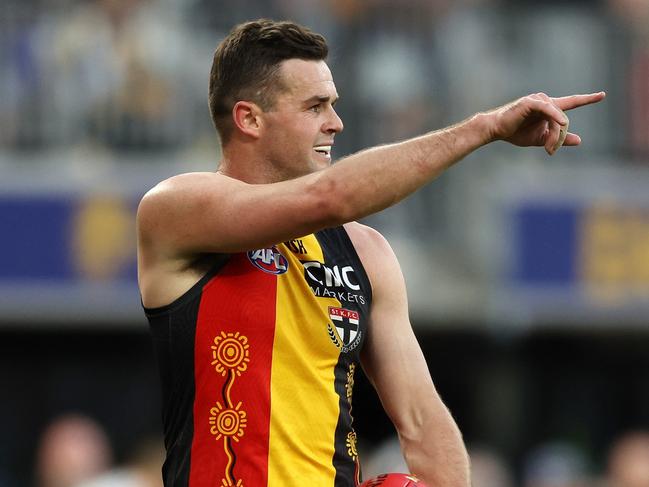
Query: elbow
(414, 428)
(332, 202)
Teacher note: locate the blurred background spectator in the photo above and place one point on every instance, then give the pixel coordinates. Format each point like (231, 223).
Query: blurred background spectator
(141, 469)
(528, 276)
(556, 464)
(628, 463)
(489, 468)
(632, 22)
(72, 449)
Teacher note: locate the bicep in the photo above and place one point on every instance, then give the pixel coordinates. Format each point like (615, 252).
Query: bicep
(395, 364)
(392, 358)
(207, 212)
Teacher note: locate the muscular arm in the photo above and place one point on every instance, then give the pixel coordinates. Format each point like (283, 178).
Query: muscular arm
(392, 359)
(205, 212)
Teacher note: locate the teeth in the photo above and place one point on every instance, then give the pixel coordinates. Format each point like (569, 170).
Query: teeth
(323, 148)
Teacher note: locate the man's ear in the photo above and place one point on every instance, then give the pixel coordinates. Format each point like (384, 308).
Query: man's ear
(246, 118)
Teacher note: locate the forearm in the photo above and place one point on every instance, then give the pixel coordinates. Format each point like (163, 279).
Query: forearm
(435, 452)
(376, 178)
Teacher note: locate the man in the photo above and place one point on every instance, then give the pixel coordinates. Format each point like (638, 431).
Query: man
(263, 294)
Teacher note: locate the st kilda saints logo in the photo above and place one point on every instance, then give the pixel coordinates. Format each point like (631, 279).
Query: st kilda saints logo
(268, 260)
(345, 332)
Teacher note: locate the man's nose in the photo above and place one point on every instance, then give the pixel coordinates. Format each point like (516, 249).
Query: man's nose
(334, 124)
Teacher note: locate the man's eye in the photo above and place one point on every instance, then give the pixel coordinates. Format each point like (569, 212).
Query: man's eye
(315, 108)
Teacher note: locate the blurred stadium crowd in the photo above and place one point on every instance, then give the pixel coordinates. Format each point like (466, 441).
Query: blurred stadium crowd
(129, 75)
(75, 452)
(112, 94)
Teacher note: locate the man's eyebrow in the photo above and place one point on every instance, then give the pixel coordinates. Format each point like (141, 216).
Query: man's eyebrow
(320, 99)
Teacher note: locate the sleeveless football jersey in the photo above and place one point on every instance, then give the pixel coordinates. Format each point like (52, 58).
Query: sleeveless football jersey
(257, 362)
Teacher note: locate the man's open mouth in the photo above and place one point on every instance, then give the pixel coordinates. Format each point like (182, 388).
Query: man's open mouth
(323, 149)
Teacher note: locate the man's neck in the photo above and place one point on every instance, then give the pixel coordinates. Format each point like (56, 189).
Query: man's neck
(248, 172)
(244, 164)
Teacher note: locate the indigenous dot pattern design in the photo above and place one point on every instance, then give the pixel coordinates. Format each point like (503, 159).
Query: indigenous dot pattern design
(227, 421)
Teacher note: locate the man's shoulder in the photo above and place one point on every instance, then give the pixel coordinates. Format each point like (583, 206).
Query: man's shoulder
(376, 255)
(180, 182)
(369, 243)
(172, 191)
(362, 232)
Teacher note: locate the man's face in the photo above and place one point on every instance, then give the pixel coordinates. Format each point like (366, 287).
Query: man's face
(299, 130)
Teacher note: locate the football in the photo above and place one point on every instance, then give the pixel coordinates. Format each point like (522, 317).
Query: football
(393, 480)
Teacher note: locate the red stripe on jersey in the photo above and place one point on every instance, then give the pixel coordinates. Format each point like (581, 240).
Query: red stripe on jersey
(232, 364)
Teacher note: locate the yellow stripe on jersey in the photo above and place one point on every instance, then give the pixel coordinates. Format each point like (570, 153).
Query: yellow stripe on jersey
(302, 380)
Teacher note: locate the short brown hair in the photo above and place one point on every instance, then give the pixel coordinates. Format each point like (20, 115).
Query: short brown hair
(246, 65)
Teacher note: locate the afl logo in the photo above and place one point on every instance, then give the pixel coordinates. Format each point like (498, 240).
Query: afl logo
(269, 260)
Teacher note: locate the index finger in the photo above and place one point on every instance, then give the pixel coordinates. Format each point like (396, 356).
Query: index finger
(575, 101)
